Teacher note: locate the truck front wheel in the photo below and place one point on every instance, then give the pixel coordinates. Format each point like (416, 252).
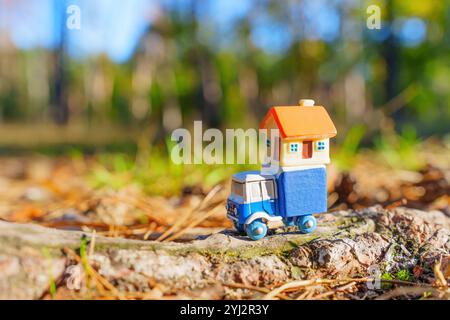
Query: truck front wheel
(306, 224)
(256, 230)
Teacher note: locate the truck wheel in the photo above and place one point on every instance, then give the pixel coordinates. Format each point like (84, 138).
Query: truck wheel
(256, 230)
(239, 227)
(306, 224)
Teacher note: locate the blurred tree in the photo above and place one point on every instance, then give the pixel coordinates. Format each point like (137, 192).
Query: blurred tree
(60, 109)
(227, 64)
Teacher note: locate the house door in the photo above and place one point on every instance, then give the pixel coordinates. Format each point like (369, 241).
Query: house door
(307, 149)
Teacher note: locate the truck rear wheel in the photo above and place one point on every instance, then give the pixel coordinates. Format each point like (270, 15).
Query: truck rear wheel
(256, 230)
(306, 224)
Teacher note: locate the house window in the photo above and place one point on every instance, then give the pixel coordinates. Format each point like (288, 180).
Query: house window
(320, 146)
(268, 143)
(293, 147)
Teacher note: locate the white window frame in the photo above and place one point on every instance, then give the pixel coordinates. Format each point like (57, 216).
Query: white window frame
(254, 198)
(265, 194)
(291, 144)
(320, 143)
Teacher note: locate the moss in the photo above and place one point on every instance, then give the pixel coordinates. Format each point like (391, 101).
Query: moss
(279, 249)
(125, 245)
(404, 275)
(386, 276)
(299, 272)
(346, 222)
(240, 254)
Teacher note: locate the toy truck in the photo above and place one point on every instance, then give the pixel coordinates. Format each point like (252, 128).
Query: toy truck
(298, 189)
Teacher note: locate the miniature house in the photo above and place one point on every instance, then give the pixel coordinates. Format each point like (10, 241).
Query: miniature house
(304, 134)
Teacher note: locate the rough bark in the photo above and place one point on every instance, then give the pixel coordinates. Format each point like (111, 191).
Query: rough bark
(345, 244)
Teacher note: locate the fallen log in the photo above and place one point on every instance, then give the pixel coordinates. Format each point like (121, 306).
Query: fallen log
(35, 259)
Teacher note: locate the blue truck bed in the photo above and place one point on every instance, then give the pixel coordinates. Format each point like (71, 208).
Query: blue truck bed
(302, 192)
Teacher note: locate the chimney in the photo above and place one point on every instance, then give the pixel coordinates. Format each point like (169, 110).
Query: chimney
(306, 103)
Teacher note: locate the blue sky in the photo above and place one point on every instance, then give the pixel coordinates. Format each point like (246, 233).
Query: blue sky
(108, 28)
(114, 27)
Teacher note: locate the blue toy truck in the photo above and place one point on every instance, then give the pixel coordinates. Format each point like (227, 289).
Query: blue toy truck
(297, 189)
(257, 202)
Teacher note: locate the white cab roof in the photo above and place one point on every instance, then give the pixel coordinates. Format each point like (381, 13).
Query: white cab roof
(250, 176)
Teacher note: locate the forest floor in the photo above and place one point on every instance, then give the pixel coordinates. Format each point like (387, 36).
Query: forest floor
(64, 237)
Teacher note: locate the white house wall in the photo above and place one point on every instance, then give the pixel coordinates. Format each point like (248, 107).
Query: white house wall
(295, 159)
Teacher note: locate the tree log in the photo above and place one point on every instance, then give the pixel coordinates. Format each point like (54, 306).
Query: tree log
(346, 243)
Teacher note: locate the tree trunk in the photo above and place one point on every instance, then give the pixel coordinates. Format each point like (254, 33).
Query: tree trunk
(60, 107)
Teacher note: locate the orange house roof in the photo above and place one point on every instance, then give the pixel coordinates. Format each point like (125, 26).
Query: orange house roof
(302, 122)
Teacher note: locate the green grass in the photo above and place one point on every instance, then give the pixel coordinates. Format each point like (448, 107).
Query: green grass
(152, 170)
(400, 150)
(85, 260)
(397, 150)
(345, 156)
(52, 282)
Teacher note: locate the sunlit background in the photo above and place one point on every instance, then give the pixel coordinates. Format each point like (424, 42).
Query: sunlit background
(138, 69)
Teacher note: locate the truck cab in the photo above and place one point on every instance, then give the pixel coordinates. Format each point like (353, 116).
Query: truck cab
(253, 197)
